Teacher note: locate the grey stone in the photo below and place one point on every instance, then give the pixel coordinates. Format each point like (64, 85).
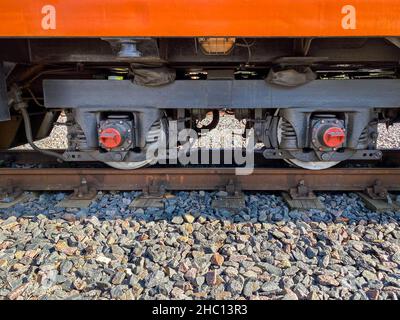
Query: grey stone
(235, 286)
(177, 220)
(311, 252)
(66, 266)
(270, 268)
(291, 271)
(118, 278)
(155, 279)
(250, 287)
(117, 292)
(270, 288)
(370, 276)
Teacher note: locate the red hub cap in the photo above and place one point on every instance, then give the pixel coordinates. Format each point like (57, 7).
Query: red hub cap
(334, 137)
(110, 138)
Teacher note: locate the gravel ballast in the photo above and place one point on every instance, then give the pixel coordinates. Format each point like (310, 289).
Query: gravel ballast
(190, 251)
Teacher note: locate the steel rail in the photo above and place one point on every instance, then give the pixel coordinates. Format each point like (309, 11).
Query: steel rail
(262, 179)
(391, 156)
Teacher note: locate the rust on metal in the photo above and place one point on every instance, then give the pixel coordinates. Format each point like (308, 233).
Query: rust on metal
(377, 191)
(262, 179)
(301, 192)
(84, 191)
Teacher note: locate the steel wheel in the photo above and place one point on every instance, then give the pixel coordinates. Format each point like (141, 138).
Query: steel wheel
(309, 165)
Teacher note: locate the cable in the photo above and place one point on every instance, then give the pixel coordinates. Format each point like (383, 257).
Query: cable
(212, 124)
(28, 132)
(248, 46)
(34, 98)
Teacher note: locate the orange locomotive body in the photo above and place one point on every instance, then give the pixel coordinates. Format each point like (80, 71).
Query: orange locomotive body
(190, 18)
(313, 78)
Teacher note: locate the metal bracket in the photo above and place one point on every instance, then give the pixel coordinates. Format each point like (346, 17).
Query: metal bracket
(154, 189)
(232, 189)
(83, 191)
(264, 128)
(10, 192)
(11, 195)
(82, 196)
(302, 192)
(152, 196)
(333, 156)
(234, 200)
(125, 47)
(377, 191)
(302, 198)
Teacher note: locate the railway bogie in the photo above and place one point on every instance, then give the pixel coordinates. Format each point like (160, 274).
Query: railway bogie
(312, 102)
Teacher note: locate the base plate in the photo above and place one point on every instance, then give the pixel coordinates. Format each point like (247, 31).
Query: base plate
(19, 199)
(72, 202)
(303, 204)
(379, 205)
(230, 203)
(148, 202)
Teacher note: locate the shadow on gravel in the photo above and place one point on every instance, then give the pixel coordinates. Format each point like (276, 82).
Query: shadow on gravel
(260, 208)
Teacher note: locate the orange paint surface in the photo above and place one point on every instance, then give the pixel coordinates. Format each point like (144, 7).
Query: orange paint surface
(249, 18)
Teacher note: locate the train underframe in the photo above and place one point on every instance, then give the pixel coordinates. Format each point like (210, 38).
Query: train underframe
(312, 102)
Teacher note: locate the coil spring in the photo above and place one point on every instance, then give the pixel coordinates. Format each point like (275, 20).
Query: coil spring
(364, 136)
(287, 130)
(154, 133)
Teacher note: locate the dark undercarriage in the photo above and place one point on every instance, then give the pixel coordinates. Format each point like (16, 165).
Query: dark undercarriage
(311, 101)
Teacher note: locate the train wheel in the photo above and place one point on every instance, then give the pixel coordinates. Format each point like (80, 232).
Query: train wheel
(309, 165)
(156, 138)
(312, 165)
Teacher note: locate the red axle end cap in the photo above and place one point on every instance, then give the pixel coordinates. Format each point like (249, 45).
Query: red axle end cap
(110, 138)
(334, 137)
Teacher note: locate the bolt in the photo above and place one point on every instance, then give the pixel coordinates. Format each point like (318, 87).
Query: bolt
(325, 156)
(322, 121)
(117, 157)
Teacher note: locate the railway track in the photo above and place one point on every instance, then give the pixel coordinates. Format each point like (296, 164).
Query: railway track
(262, 179)
(385, 175)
